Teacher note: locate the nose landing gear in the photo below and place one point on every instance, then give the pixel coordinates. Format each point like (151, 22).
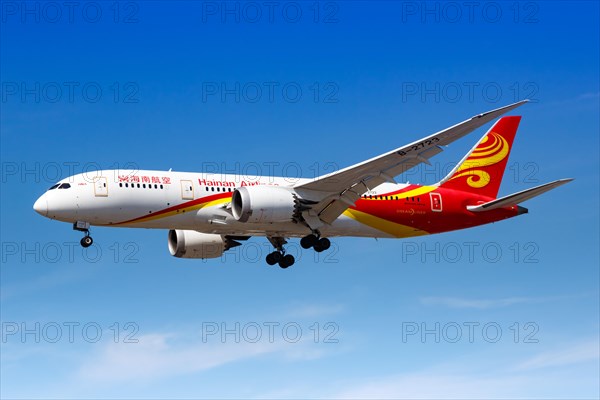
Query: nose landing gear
(86, 241)
(81, 226)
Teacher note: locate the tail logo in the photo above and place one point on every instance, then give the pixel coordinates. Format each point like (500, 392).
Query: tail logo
(484, 155)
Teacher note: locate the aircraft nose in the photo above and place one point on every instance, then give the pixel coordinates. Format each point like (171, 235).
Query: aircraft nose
(41, 206)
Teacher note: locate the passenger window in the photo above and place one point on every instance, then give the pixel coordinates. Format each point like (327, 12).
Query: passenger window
(161, 186)
(120, 184)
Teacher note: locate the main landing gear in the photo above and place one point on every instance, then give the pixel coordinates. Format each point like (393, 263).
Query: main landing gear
(279, 256)
(81, 226)
(314, 241)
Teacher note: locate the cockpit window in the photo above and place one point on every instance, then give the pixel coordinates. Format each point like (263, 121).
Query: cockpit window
(64, 186)
(54, 186)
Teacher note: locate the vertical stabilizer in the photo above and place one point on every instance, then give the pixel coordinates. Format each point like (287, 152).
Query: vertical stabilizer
(481, 170)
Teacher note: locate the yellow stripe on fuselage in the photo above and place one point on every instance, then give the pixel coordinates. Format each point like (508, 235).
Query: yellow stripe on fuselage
(178, 211)
(418, 191)
(392, 228)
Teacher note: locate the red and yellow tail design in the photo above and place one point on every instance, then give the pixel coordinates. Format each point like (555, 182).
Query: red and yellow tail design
(482, 169)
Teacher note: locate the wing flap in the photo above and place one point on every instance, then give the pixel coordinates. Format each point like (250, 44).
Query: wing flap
(333, 206)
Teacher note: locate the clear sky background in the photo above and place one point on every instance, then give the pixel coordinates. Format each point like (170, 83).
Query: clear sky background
(294, 88)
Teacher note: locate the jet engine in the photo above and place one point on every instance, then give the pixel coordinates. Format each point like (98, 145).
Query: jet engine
(264, 204)
(192, 244)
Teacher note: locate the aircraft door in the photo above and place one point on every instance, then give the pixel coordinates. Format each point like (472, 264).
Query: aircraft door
(101, 186)
(436, 202)
(187, 190)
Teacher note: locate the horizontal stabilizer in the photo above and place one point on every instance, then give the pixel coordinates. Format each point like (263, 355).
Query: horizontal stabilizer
(519, 197)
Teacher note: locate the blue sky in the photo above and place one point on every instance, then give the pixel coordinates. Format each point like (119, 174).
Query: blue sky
(499, 311)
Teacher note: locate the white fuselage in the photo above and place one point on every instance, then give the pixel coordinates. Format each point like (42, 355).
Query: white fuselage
(175, 200)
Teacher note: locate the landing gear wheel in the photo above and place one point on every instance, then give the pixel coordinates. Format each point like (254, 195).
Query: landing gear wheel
(309, 241)
(287, 261)
(86, 241)
(322, 245)
(273, 258)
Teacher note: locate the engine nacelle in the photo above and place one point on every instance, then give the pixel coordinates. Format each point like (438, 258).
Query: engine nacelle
(263, 204)
(192, 244)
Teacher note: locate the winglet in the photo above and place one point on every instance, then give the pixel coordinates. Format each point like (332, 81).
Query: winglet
(503, 110)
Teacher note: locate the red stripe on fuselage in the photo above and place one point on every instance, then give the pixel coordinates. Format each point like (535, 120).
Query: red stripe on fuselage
(187, 204)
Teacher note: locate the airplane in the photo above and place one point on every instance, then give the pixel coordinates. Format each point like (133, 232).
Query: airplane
(208, 214)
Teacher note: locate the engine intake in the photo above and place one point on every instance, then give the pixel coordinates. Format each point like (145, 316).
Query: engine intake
(192, 244)
(263, 204)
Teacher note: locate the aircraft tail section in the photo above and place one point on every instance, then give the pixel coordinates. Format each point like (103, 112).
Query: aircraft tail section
(481, 170)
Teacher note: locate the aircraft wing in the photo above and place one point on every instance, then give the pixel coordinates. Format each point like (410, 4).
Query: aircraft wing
(333, 193)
